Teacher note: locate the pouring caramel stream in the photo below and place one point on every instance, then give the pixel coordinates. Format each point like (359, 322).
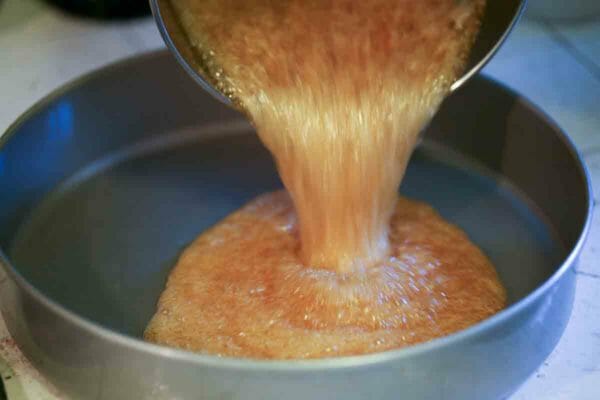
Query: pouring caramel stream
(338, 91)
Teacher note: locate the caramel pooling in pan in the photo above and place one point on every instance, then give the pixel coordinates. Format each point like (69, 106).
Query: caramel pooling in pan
(241, 289)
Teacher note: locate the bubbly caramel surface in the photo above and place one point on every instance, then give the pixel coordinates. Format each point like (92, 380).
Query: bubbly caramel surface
(240, 289)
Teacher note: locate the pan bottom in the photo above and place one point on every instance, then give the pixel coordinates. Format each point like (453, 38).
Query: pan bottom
(103, 242)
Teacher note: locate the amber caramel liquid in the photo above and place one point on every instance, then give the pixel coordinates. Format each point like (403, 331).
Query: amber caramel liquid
(339, 91)
(241, 290)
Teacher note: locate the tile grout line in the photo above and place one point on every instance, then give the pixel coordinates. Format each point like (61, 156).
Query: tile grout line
(587, 274)
(567, 45)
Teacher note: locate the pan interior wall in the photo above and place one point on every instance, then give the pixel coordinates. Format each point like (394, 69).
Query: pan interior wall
(103, 242)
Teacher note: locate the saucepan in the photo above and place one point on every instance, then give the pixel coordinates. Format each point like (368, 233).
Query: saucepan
(498, 20)
(106, 180)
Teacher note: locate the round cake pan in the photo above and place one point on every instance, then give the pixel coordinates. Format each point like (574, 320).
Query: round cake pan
(105, 181)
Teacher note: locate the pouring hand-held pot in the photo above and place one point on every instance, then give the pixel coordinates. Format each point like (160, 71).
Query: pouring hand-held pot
(498, 20)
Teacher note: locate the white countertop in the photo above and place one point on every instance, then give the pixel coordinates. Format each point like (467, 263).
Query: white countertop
(556, 66)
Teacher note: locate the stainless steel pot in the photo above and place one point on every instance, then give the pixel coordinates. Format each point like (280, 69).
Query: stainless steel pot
(104, 182)
(499, 19)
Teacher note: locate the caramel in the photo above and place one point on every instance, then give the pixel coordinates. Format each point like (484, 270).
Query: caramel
(338, 91)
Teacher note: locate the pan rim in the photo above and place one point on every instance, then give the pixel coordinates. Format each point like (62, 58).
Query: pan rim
(345, 362)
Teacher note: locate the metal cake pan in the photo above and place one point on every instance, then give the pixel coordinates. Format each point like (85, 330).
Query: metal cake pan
(104, 182)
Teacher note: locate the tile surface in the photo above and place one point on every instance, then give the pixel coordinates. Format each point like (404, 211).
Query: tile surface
(554, 66)
(582, 37)
(534, 64)
(592, 159)
(43, 48)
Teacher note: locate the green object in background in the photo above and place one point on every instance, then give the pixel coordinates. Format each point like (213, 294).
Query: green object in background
(104, 9)
(5, 373)
(2, 391)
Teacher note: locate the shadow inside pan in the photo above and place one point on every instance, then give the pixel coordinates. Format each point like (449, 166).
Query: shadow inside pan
(103, 242)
